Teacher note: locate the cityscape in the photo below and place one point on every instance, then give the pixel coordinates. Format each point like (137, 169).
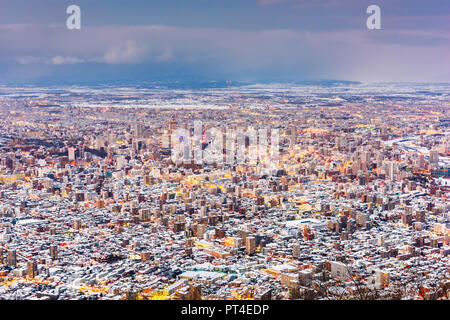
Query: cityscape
(224, 159)
(353, 206)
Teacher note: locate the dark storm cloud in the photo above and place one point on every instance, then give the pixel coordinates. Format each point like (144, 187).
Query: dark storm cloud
(292, 39)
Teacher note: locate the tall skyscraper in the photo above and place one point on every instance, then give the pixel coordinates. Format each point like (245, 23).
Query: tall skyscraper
(434, 157)
(71, 151)
(296, 250)
(54, 252)
(293, 136)
(139, 130)
(31, 269)
(250, 245)
(12, 258)
(421, 161)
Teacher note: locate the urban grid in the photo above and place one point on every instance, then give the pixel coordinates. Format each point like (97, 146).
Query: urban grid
(94, 207)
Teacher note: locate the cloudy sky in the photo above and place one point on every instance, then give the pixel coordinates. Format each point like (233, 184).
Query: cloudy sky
(241, 40)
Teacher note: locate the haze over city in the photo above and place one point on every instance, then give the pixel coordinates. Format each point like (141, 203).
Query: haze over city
(246, 41)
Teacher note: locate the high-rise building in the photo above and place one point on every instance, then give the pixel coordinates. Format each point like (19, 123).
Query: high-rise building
(31, 269)
(54, 252)
(380, 240)
(12, 258)
(121, 162)
(293, 136)
(138, 130)
(77, 224)
(421, 161)
(434, 157)
(390, 168)
(71, 151)
(250, 245)
(296, 250)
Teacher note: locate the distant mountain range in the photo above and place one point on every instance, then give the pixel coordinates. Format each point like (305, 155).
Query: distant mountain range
(180, 84)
